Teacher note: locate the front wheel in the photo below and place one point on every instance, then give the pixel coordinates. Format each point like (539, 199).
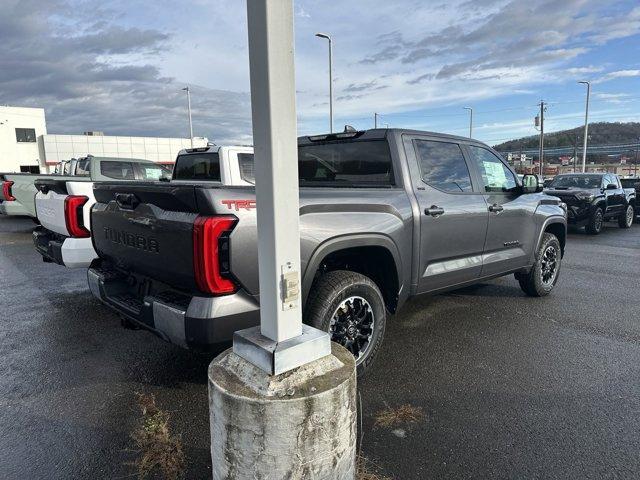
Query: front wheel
(351, 308)
(626, 219)
(595, 222)
(544, 273)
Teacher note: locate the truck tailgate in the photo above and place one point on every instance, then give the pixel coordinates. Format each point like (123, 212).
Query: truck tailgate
(147, 229)
(50, 202)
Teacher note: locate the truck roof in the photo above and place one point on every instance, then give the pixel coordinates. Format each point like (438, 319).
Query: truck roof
(380, 133)
(116, 159)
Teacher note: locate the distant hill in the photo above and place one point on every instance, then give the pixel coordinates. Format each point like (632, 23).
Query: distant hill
(601, 133)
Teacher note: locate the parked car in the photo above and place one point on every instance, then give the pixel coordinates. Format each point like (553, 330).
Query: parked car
(593, 198)
(64, 205)
(384, 215)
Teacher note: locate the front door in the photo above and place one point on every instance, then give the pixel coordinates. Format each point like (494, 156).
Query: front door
(453, 215)
(512, 233)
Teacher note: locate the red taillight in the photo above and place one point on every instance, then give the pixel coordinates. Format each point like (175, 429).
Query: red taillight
(73, 216)
(6, 191)
(211, 254)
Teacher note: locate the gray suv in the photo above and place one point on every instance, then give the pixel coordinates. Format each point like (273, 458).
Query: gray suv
(384, 214)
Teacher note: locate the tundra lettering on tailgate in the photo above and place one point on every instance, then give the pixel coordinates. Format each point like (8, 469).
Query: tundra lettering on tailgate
(148, 244)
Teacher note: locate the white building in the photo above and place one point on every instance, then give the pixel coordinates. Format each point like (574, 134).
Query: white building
(25, 145)
(20, 129)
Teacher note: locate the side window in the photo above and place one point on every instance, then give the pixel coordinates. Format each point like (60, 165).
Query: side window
(83, 167)
(442, 166)
(496, 177)
(153, 172)
(245, 162)
(117, 170)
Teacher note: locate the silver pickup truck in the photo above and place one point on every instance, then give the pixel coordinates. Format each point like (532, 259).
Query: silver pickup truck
(384, 215)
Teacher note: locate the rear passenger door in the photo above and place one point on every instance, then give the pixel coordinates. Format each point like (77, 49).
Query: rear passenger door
(511, 230)
(453, 215)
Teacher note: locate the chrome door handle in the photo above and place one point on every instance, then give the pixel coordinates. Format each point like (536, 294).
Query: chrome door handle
(434, 211)
(496, 208)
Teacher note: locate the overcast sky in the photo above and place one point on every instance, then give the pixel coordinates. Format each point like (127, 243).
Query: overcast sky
(119, 66)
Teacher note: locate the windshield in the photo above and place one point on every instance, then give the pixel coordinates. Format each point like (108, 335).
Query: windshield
(359, 163)
(197, 166)
(577, 181)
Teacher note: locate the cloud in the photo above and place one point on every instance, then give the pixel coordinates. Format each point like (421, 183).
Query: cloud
(618, 74)
(104, 76)
(518, 33)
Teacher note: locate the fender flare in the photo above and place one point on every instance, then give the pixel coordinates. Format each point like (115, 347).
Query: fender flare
(344, 242)
(549, 221)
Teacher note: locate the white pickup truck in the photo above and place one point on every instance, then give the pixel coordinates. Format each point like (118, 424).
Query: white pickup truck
(63, 206)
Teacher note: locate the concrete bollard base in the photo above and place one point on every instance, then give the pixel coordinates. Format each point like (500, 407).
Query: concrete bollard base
(297, 425)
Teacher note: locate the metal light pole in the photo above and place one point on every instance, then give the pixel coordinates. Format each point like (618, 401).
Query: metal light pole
(186, 89)
(273, 106)
(310, 411)
(328, 37)
(470, 120)
(375, 120)
(586, 126)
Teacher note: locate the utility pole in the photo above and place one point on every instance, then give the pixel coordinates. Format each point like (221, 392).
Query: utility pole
(470, 120)
(586, 127)
(540, 120)
(635, 165)
(328, 37)
(186, 89)
(375, 120)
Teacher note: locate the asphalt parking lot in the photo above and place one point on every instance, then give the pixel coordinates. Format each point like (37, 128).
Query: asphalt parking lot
(509, 386)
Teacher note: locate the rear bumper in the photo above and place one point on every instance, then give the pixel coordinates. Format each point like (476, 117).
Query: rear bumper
(13, 208)
(65, 251)
(199, 323)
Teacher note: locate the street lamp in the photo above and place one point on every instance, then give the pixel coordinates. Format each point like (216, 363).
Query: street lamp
(470, 120)
(328, 37)
(186, 89)
(586, 126)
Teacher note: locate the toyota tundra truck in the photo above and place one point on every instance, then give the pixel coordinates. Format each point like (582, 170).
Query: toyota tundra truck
(593, 198)
(384, 215)
(18, 192)
(64, 206)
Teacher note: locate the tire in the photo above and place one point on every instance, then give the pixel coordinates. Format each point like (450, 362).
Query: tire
(355, 295)
(537, 283)
(594, 227)
(626, 219)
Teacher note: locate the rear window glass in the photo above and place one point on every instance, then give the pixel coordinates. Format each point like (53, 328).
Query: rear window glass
(118, 170)
(245, 162)
(83, 167)
(359, 163)
(198, 166)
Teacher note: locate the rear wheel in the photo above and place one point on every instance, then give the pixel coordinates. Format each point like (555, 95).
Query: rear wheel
(546, 270)
(596, 220)
(626, 219)
(351, 308)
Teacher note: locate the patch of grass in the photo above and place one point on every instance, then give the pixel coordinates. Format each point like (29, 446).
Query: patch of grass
(366, 470)
(392, 417)
(160, 452)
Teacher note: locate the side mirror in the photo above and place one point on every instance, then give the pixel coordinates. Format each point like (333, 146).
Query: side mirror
(531, 184)
(612, 186)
